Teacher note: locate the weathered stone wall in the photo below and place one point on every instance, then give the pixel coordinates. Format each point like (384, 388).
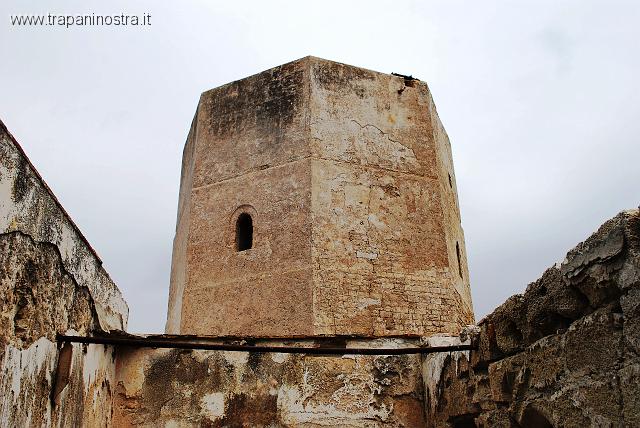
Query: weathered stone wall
(28, 206)
(385, 218)
(348, 176)
(51, 282)
(246, 152)
(456, 247)
(161, 387)
(179, 262)
(566, 353)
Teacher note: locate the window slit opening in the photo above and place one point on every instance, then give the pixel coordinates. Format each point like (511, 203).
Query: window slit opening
(244, 232)
(459, 262)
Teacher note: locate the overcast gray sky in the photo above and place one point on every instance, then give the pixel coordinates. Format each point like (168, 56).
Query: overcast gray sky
(540, 100)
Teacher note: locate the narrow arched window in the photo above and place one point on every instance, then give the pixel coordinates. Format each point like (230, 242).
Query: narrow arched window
(459, 261)
(244, 232)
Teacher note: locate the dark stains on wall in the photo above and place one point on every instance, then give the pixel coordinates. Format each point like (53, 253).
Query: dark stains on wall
(216, 389)
(268, 101)
(175, 383)
(21, 185)
(243, 410)
(339, 77)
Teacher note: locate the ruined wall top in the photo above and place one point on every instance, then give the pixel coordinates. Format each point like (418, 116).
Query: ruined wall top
(28, 206)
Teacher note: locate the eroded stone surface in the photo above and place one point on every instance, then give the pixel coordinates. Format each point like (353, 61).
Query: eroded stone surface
(28, 206)
(51, 282)
(562, 354)
(39, 300)
(212, 388)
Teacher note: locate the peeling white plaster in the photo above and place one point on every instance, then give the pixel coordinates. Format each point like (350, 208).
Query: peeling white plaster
(366, 255)
(19, 370)
(239, 362)
(375, 221)
(96, 358)
(78, 258)
(279, 357)
(237, 359)
(7, 208)
(365, 303)
(213, 405)
(294, 411)
(433, 364)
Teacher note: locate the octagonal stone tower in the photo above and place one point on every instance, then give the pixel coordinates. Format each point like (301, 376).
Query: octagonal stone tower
(318, 199)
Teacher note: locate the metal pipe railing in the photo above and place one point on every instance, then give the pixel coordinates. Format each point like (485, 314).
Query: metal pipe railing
(147, 342)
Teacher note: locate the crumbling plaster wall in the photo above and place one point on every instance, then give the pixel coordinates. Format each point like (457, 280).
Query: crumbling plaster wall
(566, 353)
(51, 282)
(161, 387)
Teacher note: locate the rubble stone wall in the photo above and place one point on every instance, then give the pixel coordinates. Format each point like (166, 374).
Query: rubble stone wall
(566, 353)
(51, 282)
